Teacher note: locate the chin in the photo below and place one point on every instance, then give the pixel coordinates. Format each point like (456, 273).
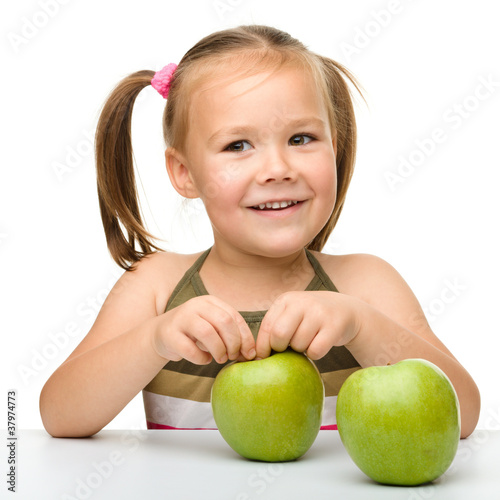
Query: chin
(280, 249)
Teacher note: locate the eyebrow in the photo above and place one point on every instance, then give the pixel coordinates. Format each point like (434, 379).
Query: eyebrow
(244, 130)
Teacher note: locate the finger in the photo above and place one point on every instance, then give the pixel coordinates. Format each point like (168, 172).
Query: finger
(206, 338)
(285, 327)
(247, 348)
(263, 344)
(201, 346)
(281, 325)
(305, 333)
(186, 348)
(231, 329)
(320, 345)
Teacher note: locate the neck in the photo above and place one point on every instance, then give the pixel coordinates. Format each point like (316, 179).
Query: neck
(252, 282)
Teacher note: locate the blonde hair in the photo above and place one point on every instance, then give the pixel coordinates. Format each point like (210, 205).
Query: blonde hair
(259, 47)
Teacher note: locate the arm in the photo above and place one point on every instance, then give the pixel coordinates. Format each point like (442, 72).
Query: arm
(91, 387)
(379, 340)
(105, 371)
(393, 327)
(129, 343)
(377, 317)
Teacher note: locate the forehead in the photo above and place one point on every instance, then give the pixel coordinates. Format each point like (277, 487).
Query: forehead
(260, 99)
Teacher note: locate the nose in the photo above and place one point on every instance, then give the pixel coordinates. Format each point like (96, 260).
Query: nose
(276, 167)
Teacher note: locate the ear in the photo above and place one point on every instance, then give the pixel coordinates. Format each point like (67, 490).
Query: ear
(334, 142)
(179, 175)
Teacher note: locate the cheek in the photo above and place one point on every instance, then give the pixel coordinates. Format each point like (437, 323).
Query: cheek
(209, 183)
(327, 183)
(222, 188)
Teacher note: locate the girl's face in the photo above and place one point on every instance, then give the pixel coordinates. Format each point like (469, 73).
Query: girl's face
(261, 155)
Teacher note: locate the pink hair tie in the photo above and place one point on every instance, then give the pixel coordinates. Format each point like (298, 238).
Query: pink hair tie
(163, 79)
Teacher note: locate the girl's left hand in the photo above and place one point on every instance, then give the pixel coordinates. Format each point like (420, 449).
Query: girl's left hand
(309, 322)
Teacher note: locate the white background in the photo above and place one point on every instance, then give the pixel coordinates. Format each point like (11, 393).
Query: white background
(421, 63)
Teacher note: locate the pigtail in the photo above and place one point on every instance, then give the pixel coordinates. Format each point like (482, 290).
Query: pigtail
(337, 78)
(127, 239)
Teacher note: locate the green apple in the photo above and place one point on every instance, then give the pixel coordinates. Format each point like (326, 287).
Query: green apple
(269, 409)
(400, 423)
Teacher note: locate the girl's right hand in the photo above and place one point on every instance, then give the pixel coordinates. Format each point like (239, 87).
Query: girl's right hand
(203, 328)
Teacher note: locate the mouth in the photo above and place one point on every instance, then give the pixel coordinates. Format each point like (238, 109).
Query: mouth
(275, 205)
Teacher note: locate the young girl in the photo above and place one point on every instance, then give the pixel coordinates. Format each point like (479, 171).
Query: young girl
(262, 130)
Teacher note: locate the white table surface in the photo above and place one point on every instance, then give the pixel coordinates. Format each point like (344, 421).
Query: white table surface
(199, 465)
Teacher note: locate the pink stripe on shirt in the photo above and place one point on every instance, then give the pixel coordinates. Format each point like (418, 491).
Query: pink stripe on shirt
(153, 426)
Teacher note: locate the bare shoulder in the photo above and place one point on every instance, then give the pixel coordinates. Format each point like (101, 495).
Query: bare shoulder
(377, 283)
(138, 295)
(354, 274)
(373, 280)
(159, 273)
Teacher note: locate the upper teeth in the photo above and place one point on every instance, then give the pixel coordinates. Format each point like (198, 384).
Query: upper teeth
(276, 204)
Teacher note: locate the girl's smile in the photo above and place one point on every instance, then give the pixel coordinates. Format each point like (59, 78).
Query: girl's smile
(277, 209)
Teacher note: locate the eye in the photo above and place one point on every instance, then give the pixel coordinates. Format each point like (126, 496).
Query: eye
(300, 140)
(238, 147)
